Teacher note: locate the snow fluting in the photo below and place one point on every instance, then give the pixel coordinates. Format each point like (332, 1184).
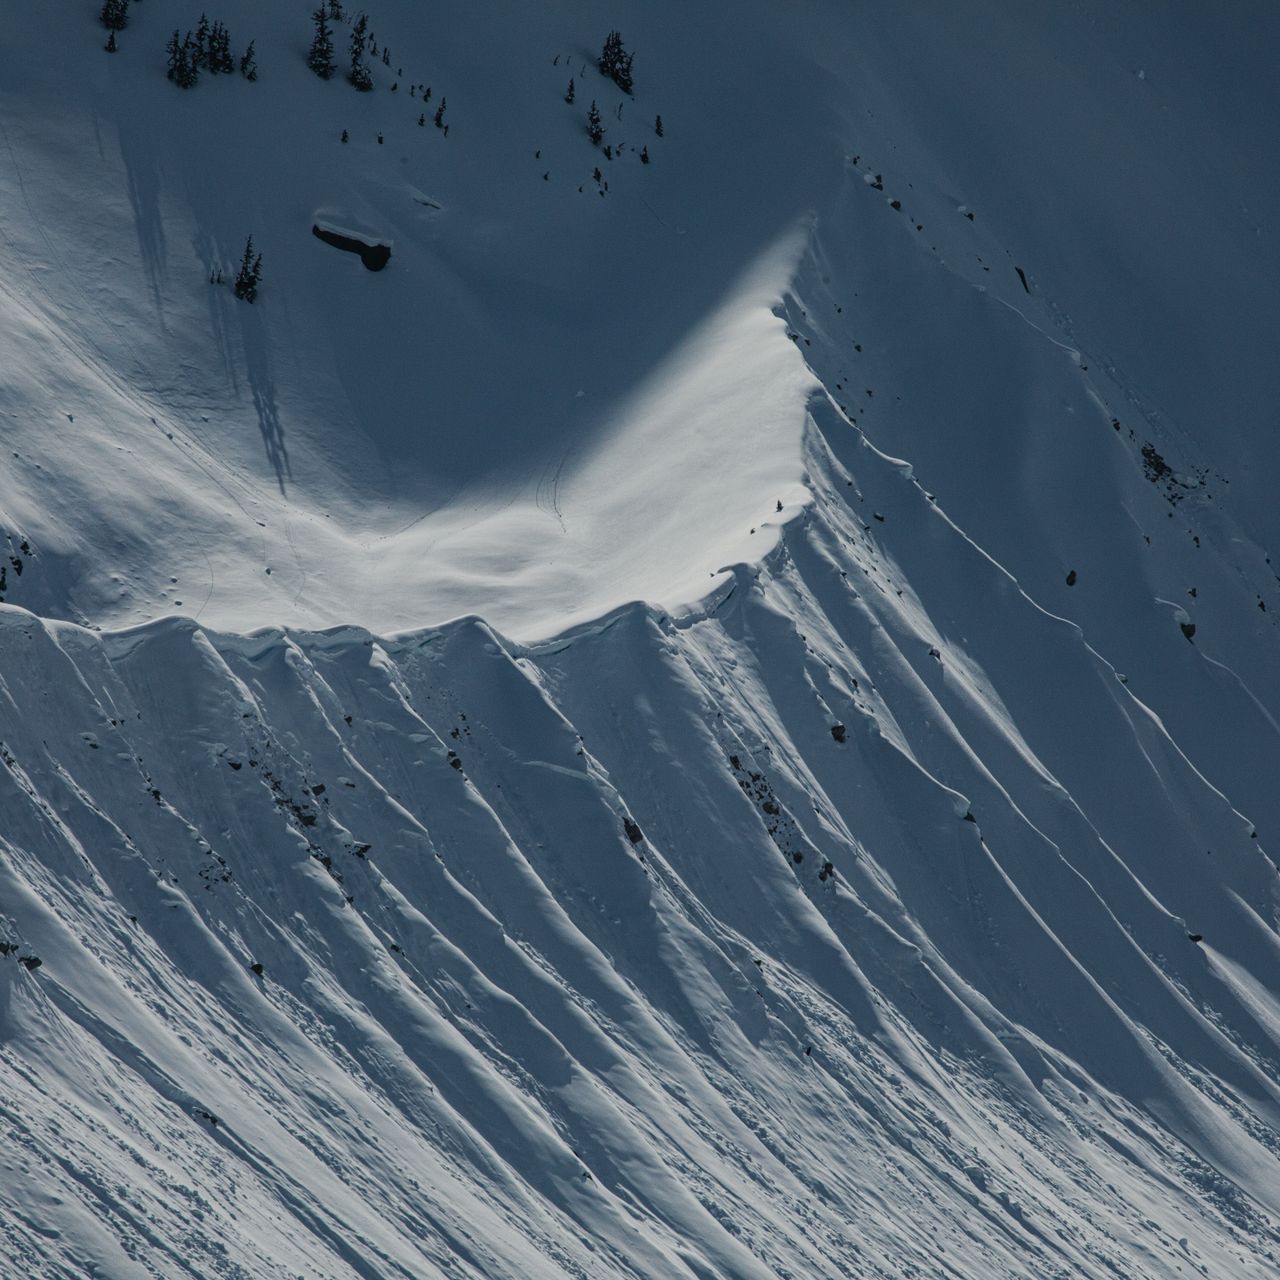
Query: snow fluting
(723, 727)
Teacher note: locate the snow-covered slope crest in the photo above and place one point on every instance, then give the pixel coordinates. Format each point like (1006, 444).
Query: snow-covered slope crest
(515, 417)
(783, 941)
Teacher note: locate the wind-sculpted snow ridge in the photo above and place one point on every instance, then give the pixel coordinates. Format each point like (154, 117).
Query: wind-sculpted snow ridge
(790, 938)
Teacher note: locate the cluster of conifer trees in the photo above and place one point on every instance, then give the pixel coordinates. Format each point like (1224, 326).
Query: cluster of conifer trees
(614, 62)
(208, 48)
(320, 57)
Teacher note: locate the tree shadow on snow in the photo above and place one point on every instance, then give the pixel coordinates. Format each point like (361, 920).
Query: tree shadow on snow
(262, 385)
(143, 174)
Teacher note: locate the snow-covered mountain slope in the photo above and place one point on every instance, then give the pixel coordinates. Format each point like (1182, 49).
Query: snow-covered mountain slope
(723, 727)
(516, 415)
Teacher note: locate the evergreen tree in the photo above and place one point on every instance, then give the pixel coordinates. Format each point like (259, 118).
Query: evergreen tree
(657, 126)
(249, 64)
(111, 42)
(608, 59)
(595, 130)
(615, 62)
(184, 65)
(571, 92)
(114, 14)
(359, 75)
(440, 113)
(200, 49)
(346, 137)
(320, 58)
(218, 51)
(335, 11)
(250, 273)
(175, 55)
(644, 155)
(386, 56)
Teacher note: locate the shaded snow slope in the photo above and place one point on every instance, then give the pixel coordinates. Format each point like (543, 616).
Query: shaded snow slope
(515, 417)
(381, 443)
(739, 716)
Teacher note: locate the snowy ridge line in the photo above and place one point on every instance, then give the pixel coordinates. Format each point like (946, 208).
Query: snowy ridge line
(940, 511)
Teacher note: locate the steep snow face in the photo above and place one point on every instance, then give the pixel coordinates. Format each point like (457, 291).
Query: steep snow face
(816, 933)
(785, 940)
(822, 827)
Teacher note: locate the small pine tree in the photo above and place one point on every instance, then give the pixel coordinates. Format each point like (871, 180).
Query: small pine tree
(335, 11)
(440, 113)
(570, 93)
(114, 14)
(201, 45)
(346, 137)
(657, 125)
(250, 273)
(644, 155)
(112, 47)
(175, 55)
(608, 58)
(595, 130)
(320, 56)
(249, 64)
(379, 139)
(186, 70)
(422, 120)
(218, 53)
(386, 56)
(359, 75)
